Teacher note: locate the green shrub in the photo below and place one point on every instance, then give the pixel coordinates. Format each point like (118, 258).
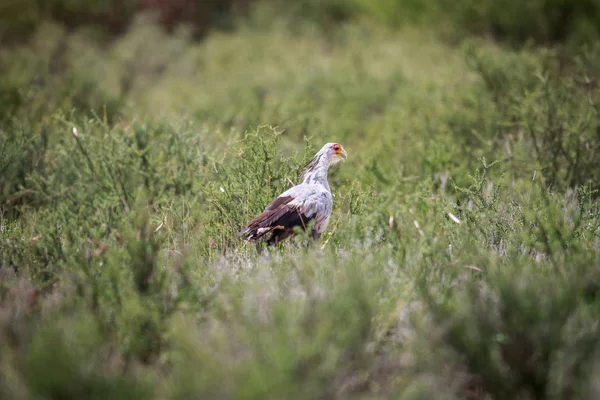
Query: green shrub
(552, 105)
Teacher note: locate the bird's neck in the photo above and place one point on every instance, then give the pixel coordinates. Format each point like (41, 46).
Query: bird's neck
(316, 172)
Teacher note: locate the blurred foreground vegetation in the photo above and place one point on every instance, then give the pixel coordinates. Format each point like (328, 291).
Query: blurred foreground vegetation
(462, 260)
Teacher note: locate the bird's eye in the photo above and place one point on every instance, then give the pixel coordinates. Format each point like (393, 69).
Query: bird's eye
(336, 147)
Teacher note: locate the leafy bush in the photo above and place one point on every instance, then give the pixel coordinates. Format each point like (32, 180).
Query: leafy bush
(553, 105)
(519, 329)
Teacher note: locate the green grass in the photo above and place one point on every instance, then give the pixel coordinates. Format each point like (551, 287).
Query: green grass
(121, 273)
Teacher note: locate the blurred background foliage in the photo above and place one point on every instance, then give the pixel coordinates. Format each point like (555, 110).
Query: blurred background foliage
(462, 259)
(542, 21)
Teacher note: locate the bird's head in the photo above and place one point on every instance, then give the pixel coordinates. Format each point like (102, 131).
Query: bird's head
(329, 154)
(334, 153)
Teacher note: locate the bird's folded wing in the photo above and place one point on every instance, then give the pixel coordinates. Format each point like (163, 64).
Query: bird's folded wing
(284, 213)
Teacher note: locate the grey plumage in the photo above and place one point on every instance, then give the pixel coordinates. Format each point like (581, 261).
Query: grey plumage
(309, 201)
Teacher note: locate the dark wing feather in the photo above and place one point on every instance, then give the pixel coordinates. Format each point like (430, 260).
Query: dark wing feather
(278, 218)
(278, 202)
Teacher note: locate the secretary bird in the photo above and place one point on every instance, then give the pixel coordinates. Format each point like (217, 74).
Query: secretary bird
(309, 201)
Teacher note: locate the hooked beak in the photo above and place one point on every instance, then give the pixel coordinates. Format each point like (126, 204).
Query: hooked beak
(342, 153)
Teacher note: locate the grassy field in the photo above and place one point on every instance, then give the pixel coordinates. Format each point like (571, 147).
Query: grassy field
(461, 262)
